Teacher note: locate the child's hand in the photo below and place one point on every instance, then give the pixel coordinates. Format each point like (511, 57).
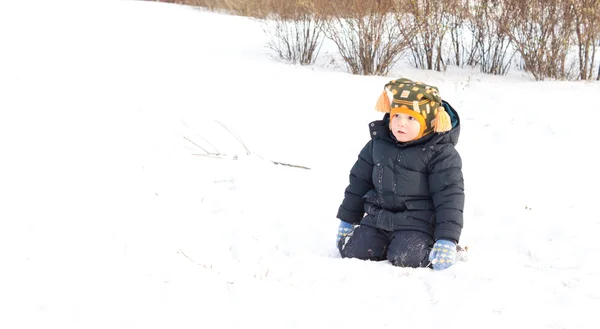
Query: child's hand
(343, 230)
(443, 254)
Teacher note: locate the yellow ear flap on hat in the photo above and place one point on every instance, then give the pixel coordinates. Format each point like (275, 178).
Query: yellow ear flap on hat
(441, 123)
(383, 103)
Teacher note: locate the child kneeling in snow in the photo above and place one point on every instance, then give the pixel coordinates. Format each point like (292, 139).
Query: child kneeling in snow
(408, 180)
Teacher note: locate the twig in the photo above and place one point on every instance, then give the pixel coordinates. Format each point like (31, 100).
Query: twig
(210, 155)
(202, 148)
(289, 165)
(204, 139)
(238, 138)
(193, 261)
(221, 156)
(207, 142)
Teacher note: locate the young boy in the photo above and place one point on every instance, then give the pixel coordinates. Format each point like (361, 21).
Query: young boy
(408, 180)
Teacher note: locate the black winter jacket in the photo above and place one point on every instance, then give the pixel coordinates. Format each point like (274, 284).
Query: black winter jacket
(417, 185)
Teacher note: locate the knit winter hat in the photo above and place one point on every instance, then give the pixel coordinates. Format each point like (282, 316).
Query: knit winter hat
(417, 99)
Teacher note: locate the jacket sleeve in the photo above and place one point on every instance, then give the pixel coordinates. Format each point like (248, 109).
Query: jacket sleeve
(352, 208)
(447, 189)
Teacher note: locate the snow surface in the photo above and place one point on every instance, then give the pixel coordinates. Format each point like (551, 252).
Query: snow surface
(108, 219)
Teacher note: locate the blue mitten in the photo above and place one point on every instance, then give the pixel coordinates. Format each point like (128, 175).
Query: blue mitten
(443, 254)
(343, 230)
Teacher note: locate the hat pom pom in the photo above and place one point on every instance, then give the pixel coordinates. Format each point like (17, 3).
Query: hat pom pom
(383, 103)
(442, 122)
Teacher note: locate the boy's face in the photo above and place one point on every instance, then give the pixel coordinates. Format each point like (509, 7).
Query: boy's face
(404, 127)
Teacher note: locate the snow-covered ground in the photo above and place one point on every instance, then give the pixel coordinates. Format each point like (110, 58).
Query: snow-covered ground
(109, 218)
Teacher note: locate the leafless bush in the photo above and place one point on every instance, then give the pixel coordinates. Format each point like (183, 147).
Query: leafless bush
(587, 33)
(368, 36)
(457, 22)
(251, 8)
(431, 20)
(492, 50)
(296, 30)
(540, 31)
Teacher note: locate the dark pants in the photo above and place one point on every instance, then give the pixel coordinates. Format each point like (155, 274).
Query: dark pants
(401, 248)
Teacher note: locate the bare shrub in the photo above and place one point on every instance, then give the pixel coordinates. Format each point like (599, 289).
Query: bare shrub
(493, 50)
(431, 20)
(251, 8)
(587, 34)
(540, 31)
(368, 37)
(296, 30)
(459, 15)
(597, 11)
